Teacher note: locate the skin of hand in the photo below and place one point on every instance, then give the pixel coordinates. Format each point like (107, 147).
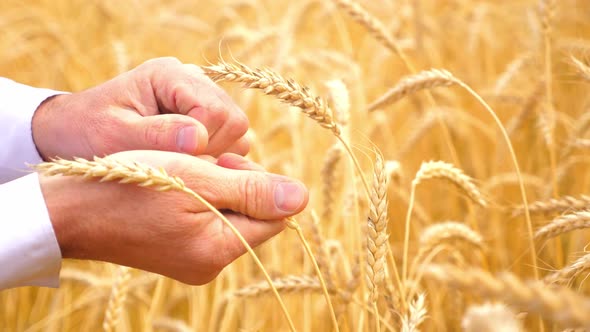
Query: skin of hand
(162, 104)
(171, 233)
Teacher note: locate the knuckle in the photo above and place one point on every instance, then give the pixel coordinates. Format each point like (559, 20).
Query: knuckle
(254, 192)
(241, 124)
(153, 134)
(218, 115)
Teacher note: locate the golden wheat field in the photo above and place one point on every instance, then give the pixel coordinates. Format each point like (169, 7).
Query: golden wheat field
(457, 111)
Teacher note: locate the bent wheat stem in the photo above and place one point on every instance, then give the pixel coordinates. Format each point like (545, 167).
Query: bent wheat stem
(291, 223)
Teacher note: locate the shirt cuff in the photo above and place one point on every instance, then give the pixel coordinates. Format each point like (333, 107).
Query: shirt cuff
(29, 251)
(18, 103)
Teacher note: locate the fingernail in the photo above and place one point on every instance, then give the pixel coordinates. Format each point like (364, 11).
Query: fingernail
(289, 196)
(187, 140)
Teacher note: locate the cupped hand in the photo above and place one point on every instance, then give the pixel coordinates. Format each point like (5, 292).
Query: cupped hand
(171, 233)
(161, 105)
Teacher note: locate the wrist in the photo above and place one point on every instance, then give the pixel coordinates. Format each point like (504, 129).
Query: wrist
(63, 204)
(45, 126)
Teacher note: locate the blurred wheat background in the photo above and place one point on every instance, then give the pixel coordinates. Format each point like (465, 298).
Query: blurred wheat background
(528, 59)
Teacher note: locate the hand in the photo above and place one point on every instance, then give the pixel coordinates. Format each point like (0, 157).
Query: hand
(170, 232)
(160, 105)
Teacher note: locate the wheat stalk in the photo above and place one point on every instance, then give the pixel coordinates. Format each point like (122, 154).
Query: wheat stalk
(292, 223)
(490, 317)
(555, 205)
(568, 273)
(427, 79)
(564, 224)
(110, 169)
(558, 304)
(117, 299)
(547, 11)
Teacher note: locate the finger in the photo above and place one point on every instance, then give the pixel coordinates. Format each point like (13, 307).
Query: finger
(235, 161)
(231, 131)
(184, 89)
(166, 132)
(207, 158)
(259, 195)
(241, 146)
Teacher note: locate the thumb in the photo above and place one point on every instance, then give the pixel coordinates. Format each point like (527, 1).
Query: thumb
(169, 132)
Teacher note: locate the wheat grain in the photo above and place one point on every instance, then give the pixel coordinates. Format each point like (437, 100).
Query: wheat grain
(490, 317)
(558, 304)
(564, 224)
(427, 79)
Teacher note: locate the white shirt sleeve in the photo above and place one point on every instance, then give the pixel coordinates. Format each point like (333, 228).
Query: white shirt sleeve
(18, 103)
(29, 252)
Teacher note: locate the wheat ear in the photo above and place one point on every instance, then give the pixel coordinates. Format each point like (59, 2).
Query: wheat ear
(564, 224)
(110, 169)
(289, 92)
(427, 79)
(555, 205)
(443, 170)
(285, 284)
(568, 273)
(330, 179)
(377, 236)
(490, 317)
(446, 232)
(416, 314)
(117, 299)
(339, 99)
(271, 83)
(558, 304)
(371, 23)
